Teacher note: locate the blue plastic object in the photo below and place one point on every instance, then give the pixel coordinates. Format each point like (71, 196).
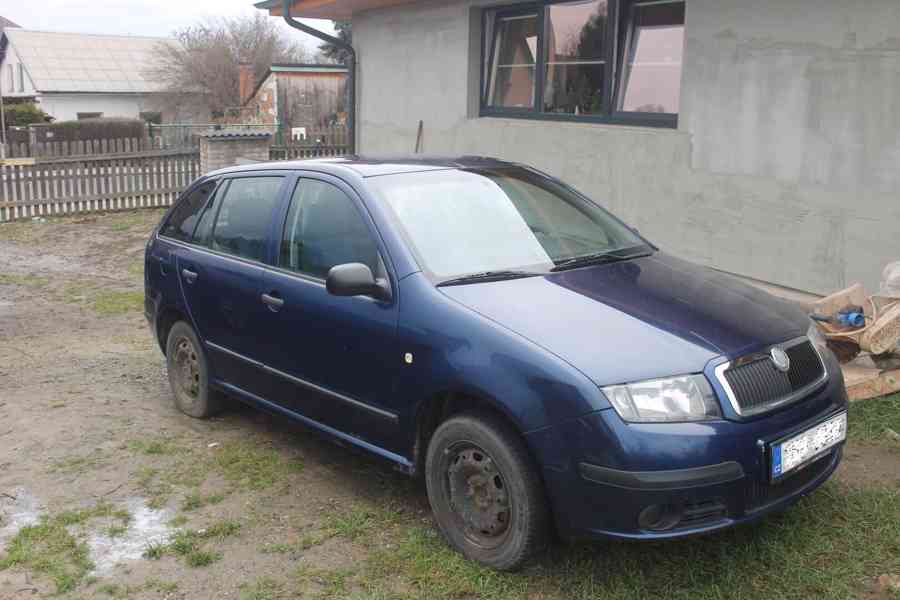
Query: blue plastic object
(851, 319)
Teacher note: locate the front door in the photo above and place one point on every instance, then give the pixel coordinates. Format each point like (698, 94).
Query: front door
(222, 275)
(333, 358)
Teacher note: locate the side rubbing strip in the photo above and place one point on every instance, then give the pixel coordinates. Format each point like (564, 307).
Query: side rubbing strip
(306, 384)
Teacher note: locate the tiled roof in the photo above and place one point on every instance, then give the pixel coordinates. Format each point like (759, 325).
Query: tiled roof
(78, 62)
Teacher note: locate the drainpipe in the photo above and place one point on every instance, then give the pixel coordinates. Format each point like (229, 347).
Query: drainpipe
(351, 67)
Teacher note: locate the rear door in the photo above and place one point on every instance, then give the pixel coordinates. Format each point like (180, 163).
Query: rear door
(333, 357)
(222, 274)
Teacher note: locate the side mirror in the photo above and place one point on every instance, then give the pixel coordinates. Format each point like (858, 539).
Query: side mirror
(355, 279)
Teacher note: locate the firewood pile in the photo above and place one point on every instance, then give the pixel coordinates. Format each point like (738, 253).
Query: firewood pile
(864, 331)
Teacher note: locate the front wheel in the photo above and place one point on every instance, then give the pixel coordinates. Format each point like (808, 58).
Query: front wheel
(485, 491)
(189, 373)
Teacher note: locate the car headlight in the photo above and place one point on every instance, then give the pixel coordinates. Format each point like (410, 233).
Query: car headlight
(816, 336)
(672, 400)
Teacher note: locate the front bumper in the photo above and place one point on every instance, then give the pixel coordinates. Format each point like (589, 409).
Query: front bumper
(607, 478)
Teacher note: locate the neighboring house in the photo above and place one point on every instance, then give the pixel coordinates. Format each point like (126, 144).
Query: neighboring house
(761, 138)
(4, 24)
(77, 76)
(297, 98)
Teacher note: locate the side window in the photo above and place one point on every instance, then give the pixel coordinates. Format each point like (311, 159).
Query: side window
(244, 215)
(323, 229)
(204, 229)
(184, 217)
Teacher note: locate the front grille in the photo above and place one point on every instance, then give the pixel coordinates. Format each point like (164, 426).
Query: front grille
(763, 493)
(757, 383)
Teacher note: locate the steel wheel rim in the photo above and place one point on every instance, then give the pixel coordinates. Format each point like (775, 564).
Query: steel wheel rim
(187, 369)
(478, 495)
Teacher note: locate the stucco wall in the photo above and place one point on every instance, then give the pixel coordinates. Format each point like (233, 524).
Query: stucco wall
(786, 163)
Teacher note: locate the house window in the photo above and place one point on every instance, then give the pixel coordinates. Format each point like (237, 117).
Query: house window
(21, 79)
(612, 61)
(12, 78)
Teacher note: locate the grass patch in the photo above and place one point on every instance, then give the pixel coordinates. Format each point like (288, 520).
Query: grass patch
(826, 547)
(197, 501)
(48, 548)
(179, 521)
(189, 544)
(155, 551)
(869, 420)
(160, 586)
(23, 280)
(202, 558)
(136, 269)
(355, 523)
(115, 531)
(163, 446)
(75, 465)
(265, 588)
(118, 303)
(250, 467)
(334, 582)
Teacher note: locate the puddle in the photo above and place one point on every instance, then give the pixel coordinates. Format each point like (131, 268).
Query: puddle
(147, 526)
(18, 509)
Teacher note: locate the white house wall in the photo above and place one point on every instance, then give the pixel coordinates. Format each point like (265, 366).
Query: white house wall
(786, 163)
(65, 107)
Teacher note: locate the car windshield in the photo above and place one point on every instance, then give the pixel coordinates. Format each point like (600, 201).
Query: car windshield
(486, 221)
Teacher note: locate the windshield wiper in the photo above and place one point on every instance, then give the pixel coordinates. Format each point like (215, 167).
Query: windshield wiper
(598, 258)
(487, 276)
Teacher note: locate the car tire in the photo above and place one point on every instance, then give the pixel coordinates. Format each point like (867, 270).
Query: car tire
(485, 491)
(189, 373)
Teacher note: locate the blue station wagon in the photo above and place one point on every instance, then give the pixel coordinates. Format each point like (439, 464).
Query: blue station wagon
(478, 323)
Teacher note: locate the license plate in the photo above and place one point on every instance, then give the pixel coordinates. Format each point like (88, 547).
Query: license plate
(797, 451)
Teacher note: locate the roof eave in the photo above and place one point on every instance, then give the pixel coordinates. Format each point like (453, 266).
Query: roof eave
(337, 10)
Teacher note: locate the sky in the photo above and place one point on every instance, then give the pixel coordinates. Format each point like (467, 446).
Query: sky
(133, 17)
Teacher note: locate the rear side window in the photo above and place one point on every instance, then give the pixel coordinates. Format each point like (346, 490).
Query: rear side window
(323, 229)
(184, 217)
(244, 216)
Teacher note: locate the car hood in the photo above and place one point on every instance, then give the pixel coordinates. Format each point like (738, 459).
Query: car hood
(638, 319)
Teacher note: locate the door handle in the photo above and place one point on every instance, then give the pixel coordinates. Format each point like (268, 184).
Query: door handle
(272, 301)
(189, 276)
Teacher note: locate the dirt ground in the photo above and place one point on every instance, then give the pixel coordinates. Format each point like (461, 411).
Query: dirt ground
(107, 491)
(85, 402)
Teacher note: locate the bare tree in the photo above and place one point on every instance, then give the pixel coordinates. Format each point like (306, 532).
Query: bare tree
(203, 60)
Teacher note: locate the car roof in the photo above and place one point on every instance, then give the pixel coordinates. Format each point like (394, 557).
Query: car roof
(366, 166)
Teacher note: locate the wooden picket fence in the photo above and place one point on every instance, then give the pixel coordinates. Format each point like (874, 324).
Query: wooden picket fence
(72, 184)
(79, 147)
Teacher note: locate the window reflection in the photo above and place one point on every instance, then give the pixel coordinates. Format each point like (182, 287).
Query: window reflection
(576, 34)
(513, 65)
(651, 79)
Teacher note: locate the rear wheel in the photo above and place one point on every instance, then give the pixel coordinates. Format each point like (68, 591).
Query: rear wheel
(485, 491)
(189, 373)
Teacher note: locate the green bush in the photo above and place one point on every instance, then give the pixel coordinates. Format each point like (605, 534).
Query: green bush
(91, 129)
(25, 113)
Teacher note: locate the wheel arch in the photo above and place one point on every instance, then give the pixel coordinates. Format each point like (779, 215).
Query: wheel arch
(164, 322)
(440, 406)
